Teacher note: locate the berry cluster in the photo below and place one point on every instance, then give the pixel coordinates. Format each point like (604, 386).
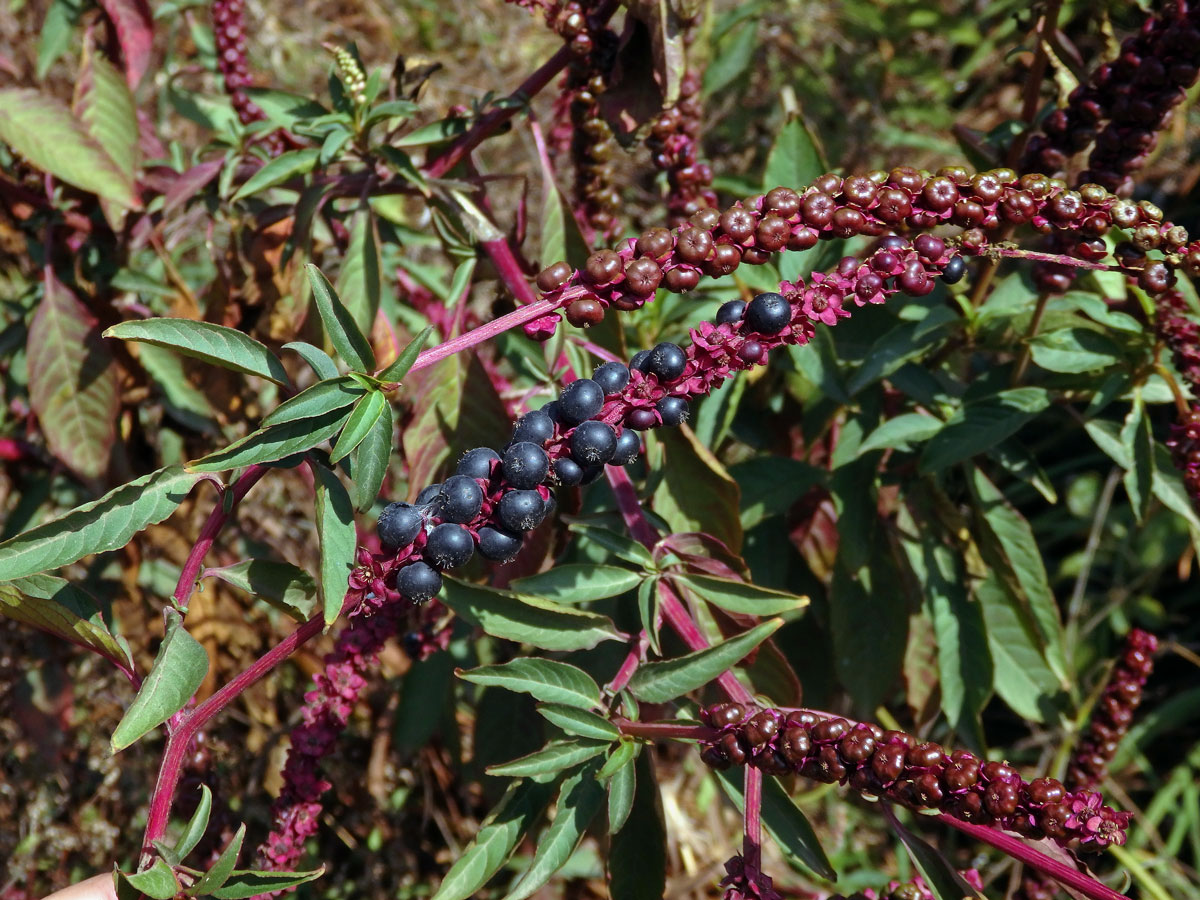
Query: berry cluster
(591, 138)
(1124, 105)
(1181, 334)
(673, 145)
(1184, 444)
(229, 35)
(715, 244)
(898, 767)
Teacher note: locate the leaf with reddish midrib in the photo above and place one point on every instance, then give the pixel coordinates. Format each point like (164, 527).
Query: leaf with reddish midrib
(72, 381)
(135, 33)
(105, 106)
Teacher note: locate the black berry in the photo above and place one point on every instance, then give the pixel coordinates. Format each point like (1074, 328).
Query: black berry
(521, 510)
(477, 463)
(525, 465)
(641, 419)
(674, 410)
(629, 445)
(460, 499)
(579, 401)
(497, 544)
(768, 313)
(612, 377)
(568, 471)
(537, 427)
(429, 494)
(418, 582)
(639, 360)
(399, 525)
(449, 546)
(731, 312)
(955, 270)
(593, 443)
(666, 361)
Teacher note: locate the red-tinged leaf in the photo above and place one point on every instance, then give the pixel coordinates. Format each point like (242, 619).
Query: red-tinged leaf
(189, 183)
(104, 104)
(42, 129)
(72, 381)
(135, 33)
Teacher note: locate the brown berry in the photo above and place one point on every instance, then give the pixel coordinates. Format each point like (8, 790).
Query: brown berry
(554, 276)
(585, 313)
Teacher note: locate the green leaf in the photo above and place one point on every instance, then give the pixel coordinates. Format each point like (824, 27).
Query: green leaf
(158, 882)
(245, 883)
(901, 432)
(399, 368)
(554, 757)
(1074, 350)
(104, 524)
(338, 538)
(1022, 676)
(1136, 436)
(318, 360)
(220, 870)
(216, 344)
(579, 722)
(360, 279)
(527, 620)
(347, 339)
(196, 826)
(981, 424)
(286, 587)
(59, 607)
(40, 128)
(434, 133)
(104, 104)
(659, 682)
(322, 398)
(496, 839)
(637, 855)
(794, 160)
(278, 170)
(578, 583)
(771, 485)
(56, 34)
(1168, 488)
(579, 802)
(371, 460)
(178, 669)
(621, 773)
(366, 413)
(649, 601)
(545, 679)
(940, 875)
(269, 445)
(786, 823)
(732, 59)
(624, 547)
(73, 385)
(740, 597)
(715, 510)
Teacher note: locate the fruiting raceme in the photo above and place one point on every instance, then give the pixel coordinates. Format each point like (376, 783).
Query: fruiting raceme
(1184, 444)
(673, 143)
(898, 767)
(715, 244)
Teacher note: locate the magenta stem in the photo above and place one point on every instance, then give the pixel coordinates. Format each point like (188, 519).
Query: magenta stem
(752, 819)
(1018, 849)
(484, 333)
(637, 653)
(1038, 256)
(509, 271)
(666, 731)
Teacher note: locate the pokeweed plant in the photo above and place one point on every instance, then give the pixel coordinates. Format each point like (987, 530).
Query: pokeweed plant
(832, 422)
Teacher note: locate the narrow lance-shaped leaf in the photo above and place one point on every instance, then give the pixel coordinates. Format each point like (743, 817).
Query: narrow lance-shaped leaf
(57, 606)
(621, 773)
(939, 874)
(219, 872)
(104, 524)
(104, 104)
(318, 360)
(245, 883)
(196, 826)
(371, 460)
(360, 279)
(579, 583)
(1136, 436)
(346, 336)
(579, 722)
(637, 858)
(338, 537)
(400, 367)
(554, 757)
(158, 882)
(284, 586)
(179, 667)
(323, 397)
(216, 344)
(278, 170)
(366, 413)
(659, 682)
(273, 444)
(545, 679)
(739, 596)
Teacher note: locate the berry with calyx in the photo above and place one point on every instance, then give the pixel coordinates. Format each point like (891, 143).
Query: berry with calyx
(418, 582)
(674, 410)
(641, 419)
(537, 427)
(521, 510)
(553, 277)
(731, 312)
(640, 360)
(568, 472)
(666, 361)
(612, 377)
(399, 525)
(955, 270)
(525, 465)
(579, 401)
(593, 443)
(629, 445)
(460, 499)
(428, 495)
(585, 313)
(497, 544)
(768, 313)
(477, 463)
(449, 546)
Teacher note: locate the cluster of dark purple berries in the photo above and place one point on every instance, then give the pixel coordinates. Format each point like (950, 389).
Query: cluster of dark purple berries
(1125, 104)
(673, 144)
(899, 767)
(229, 35)
(592, 143)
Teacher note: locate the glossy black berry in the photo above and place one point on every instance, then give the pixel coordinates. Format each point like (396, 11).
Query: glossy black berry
(537, 427)
(418, 582)
(591, 473)
(641, 419)
(399, 525)
(428, 495)
(731, 312)
(579, 401)
(521, 510)
(568, 471)
(449, 546)
(955, 270)
(525, 465)
(593, 443)
(460, 499)
(629, 445)
(612, 377)
(674, 410)
(768, 313)
(497, 544)
(477, 463)
(639, 360)
(666, 361)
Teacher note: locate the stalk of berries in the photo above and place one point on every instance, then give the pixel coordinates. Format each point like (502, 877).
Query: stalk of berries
(673, 149)
(591, 143)
(715, 244)
(1181, 334)
(353, 78)
(896, 766)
